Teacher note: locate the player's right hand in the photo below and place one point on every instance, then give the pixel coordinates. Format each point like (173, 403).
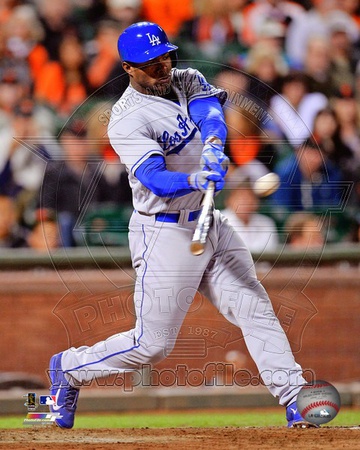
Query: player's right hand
(199, 181)
(213, 158)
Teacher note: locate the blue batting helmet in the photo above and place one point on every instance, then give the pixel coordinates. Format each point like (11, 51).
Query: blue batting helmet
(143, 41)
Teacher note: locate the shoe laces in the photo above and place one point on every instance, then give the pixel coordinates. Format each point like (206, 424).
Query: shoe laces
(71, 395)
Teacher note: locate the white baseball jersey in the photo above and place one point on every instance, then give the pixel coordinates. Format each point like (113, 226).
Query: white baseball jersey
(143, 125)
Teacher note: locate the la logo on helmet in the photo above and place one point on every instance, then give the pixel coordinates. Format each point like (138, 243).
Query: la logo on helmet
(154, 40)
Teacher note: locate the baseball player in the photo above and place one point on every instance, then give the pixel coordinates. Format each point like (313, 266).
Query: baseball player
(168, 128)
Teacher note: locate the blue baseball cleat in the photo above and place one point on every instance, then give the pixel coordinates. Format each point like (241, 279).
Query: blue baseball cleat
(66, 396)
(295, 419)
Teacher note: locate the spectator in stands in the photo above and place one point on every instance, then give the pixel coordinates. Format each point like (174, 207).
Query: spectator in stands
(346, 109)
(105, 67)
(258, 231)
(21, 168)
(44, 235)
(343, 55)
(238, 10)
(242, 143)
(250, 140)
(125, 12)
(309, 182)
(6, 7)
(316, 22)
(351, 7)
(24, 34)
(304, 230)
(85, 16)
(317, 61)
(169, 14)
(326, 133)
(265, 59)
(11, 234)
(63, 85)
(12, 68)
(106, 72)
(210, 35)
(295, 107)
(74, 186)
(114, 171)
(266, 63)
(345, 105)
(15, 84)
(257, 13)
(56, 19)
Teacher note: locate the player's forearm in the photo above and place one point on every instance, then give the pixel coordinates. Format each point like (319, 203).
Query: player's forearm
(162, 182)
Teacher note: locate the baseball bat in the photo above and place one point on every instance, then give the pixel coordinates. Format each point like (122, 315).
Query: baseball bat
(198, 241)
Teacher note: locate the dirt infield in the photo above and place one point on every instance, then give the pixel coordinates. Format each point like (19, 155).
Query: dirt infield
(181, 438)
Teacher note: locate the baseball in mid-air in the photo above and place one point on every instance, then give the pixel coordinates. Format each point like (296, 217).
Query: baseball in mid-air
(318, 402)
(266, 185)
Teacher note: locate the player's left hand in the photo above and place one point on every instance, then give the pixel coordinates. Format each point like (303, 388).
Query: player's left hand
(199, 181)
(213, 158)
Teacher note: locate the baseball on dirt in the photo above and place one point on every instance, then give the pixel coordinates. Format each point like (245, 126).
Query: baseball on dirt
(318, 402)
(267, 184)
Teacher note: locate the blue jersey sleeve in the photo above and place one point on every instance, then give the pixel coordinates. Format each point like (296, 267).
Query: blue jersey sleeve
(208, 115)
(153, 174)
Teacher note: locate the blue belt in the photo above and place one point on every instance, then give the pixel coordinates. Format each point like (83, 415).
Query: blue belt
(174, 217)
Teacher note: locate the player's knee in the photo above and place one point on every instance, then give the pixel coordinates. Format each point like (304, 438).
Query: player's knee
(153, 354)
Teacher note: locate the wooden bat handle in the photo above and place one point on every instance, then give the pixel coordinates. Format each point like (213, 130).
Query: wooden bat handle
(198, 241)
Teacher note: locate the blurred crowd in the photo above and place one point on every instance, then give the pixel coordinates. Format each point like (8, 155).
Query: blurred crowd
(292, 73)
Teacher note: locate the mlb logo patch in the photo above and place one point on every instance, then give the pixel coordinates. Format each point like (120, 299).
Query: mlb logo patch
(47, 400)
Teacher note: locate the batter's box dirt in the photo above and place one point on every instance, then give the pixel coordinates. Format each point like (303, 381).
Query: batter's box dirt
(181, 438)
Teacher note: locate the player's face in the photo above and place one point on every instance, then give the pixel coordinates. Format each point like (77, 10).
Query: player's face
(153, 78)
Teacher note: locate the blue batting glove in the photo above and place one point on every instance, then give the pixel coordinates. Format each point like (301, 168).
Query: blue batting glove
(199, 181)
(213, 158)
